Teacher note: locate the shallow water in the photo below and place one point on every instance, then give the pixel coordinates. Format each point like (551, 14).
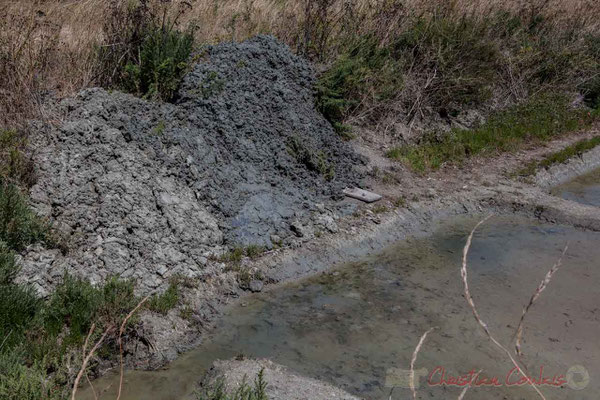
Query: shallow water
(584, 189)
(359, 324)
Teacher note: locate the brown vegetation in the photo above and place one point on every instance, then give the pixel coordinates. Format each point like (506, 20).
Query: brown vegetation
(52, 45)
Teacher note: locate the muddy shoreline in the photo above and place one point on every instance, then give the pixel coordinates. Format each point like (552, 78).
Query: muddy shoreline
(367, 233)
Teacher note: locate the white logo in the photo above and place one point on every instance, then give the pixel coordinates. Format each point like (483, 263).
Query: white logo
(578, 377)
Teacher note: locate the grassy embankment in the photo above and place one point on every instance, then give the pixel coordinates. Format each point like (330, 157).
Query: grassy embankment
(536, 121)
(561, 156)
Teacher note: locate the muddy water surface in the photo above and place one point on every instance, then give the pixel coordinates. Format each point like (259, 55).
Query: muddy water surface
(583, 189)
(357, 325)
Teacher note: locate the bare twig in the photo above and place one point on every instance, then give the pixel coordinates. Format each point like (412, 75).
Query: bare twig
(87, 339)
(121, 341)
(469, 298)
(86, 360)
(541, 287)
(464, 391)
(91, 386)
(413, 360)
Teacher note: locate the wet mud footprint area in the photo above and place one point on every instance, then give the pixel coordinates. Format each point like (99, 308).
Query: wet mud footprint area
(584, 189)
(357, 325)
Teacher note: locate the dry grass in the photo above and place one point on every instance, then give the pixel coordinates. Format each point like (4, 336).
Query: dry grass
(469, 298)
(541, 287)
(88, 356)
(50, 45)
(413, 360)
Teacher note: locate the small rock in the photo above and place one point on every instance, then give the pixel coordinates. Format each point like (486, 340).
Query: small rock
(298, 229)
(256, 286)
(162, 270)
(275, 239)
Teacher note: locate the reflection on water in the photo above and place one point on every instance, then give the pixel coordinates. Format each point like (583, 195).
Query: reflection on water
(584, 189)
(352, 326)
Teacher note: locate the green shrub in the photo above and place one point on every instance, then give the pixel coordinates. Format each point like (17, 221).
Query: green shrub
(74, 304)
(19, 304)
(117, 300)
(217, 391)
(445, 60)
(37, 337)
(15, 166)
(19, 226)
(144, 52)
(158, 69)
(457, 54)
(19, 382)
(8, 265)
(363, 67)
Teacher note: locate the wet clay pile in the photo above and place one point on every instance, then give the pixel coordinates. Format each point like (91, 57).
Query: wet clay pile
(146, 190)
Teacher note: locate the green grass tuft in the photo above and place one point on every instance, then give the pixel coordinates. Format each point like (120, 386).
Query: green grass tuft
(15, 166)
(313, 160)
(559, 157)
(254, 251)
(166, 301)
(218, 391)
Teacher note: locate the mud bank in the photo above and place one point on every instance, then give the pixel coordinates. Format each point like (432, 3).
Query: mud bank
(358, 235)
(356, 326)
(562, 173)
(584, 189)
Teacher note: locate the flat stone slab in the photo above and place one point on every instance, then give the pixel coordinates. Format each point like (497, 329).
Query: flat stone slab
(363, 195)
